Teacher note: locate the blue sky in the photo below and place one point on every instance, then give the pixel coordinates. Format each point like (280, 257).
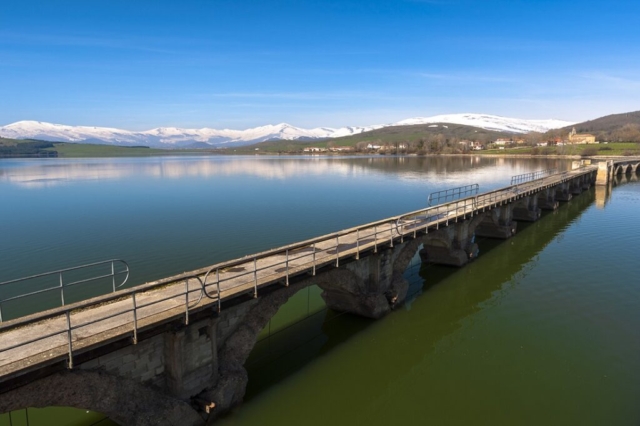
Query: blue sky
(240, 63)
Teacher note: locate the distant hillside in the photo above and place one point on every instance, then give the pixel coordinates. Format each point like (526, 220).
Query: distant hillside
(425, 132)
(417, 137)
(616, 127)
(607, 123)
(32, 148)
(13, 148)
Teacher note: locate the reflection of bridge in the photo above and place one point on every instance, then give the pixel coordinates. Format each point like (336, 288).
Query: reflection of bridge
(152, 353)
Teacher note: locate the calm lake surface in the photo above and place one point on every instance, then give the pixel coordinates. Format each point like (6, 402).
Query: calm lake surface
(540, 329)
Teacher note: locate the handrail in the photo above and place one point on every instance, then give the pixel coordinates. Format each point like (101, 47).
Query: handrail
(440, 197)
(260, 269)
(61, 284)
(526, 177)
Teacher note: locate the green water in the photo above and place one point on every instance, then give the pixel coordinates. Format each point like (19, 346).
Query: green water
(540, 329)
(59, 416)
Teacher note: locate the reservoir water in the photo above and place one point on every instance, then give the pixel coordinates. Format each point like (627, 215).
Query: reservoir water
(540, 329)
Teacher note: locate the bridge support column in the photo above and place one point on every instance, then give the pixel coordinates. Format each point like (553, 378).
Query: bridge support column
(547, 199)
(605, 172)
(498, 223)
(372, 286)
(527, 209)
(563, 192)
(191, 358)
(575, 185)
(453, 245)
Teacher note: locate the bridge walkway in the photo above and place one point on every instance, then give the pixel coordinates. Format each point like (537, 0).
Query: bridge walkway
(62, 333)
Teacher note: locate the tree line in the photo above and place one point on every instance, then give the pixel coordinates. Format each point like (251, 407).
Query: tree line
(27, 149)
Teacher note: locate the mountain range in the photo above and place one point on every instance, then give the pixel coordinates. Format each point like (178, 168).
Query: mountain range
(172, 137)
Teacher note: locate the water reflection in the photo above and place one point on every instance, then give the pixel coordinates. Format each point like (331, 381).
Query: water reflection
(42, 173)
(603, 195)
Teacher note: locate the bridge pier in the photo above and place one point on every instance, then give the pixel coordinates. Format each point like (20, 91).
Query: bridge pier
(527, 209)
(497, 223)
(605, 172)
(547, 199)
(577, 185)
(372, 286)
(190, 358)
(563, 192)
(453, 245)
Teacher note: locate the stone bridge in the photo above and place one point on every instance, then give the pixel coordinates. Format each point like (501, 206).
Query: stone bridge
(173, 351)
(609, 168)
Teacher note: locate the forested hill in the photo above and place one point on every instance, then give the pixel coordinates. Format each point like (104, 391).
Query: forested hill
(616, 127)
(12, 148)
(425, 132)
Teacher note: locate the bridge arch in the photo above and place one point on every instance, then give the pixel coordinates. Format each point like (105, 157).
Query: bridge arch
(621, 169)
(351, 281)
(124, 401)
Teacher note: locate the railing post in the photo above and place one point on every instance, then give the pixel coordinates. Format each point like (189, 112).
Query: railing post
(357, 250)
(61, 289)
(70, 364)
(113, 276)
(286, 284)
(135, 319)
(314, 259)
(337, 251)
(255, 278)
(0, 311)
(186, 304)
(218, 286)
(390, 234)
(375, 238)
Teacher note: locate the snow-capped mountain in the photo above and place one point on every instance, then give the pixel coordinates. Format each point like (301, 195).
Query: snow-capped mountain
(172, 137)
(169, 137)
(490, 122)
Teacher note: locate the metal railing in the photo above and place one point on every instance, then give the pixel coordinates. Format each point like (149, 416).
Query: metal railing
(60, 284)
(526, 177)
(126, 311)
(445, 195)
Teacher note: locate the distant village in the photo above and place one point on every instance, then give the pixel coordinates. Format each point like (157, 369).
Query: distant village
(573, 138)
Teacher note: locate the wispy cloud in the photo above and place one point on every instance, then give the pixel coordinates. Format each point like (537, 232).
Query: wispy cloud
(466, 78)
(612, 81)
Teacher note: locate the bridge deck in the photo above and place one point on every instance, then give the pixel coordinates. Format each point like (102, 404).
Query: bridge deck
(62, 333)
